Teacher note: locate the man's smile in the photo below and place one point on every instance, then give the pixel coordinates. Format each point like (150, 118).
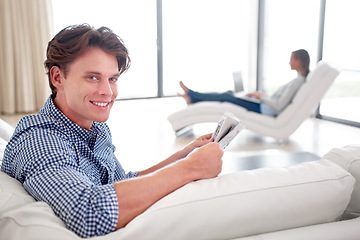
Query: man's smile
(100, 104)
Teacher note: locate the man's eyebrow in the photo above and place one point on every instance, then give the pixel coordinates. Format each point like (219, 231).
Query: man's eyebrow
(94, 73)
(98, 73)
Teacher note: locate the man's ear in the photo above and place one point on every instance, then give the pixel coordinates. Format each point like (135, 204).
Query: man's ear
(56, 76)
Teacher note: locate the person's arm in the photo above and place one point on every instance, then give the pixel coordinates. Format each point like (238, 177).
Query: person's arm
(283, 96)
(200, 141)
(137, 194)
(257, 95)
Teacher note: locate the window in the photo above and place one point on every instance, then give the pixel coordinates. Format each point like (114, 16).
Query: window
(341, 47)
(135, 22)
(288, 26)
(204, 41)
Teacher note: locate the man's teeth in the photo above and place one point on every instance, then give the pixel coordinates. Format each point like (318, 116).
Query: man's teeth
(100, 104)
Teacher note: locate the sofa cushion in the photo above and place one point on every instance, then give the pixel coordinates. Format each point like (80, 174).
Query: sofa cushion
(234, 205)
(341, 230)
(247, 203)
(2, 149)
(6, 130)
(21, 217)
(348, 157)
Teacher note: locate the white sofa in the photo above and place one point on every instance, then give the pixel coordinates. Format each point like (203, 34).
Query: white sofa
(280, 127)
(308, 201)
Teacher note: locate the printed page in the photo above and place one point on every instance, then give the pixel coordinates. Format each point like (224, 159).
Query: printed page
(227, 129)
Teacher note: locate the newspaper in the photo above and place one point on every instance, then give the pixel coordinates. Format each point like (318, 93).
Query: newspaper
(227, 129)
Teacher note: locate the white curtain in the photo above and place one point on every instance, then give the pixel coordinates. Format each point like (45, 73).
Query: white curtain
(25, 29)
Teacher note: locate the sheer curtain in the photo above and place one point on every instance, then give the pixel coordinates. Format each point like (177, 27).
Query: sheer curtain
(26, 28)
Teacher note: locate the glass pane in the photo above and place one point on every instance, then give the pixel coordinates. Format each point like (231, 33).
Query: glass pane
(205, 41)
(134, 21)
(289, 26)
(341, 36)
(341, 47)
(343, 97)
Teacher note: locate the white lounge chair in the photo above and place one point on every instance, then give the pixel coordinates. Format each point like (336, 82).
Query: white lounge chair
(280, 127)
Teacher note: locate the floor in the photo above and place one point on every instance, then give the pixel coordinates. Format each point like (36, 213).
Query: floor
(143, 136)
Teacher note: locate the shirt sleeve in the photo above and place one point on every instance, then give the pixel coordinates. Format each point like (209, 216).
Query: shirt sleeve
(283, 96)
(120, 173)
(52, 175)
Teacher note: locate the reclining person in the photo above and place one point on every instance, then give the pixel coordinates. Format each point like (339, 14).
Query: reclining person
(64, 155)
(269, 105)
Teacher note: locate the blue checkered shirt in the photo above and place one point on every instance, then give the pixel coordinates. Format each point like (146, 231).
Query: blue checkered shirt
(69, 168)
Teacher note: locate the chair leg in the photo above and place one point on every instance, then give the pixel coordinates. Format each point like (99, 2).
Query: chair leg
(184, 131)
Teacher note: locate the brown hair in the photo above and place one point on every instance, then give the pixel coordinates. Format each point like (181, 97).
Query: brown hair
(73, 41)
(304, 57)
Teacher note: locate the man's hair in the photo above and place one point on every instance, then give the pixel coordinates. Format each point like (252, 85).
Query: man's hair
(73, 41)
(304, 57)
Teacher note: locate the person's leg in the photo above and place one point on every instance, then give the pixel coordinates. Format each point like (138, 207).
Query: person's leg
(223, 97)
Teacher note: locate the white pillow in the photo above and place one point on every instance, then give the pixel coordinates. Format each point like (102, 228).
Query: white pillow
(6, 130)
(247, 203)
(21, 217)
(2, 149)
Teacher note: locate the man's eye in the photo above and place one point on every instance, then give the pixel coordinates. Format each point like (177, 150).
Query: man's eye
(113, 79)
(93, 78)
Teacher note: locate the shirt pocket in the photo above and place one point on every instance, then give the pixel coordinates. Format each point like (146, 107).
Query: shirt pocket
(90, 169)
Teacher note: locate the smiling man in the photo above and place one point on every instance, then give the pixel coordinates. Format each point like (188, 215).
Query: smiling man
(64, 155)
(87, 91)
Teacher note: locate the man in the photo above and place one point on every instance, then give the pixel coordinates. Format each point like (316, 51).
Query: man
(64, 154)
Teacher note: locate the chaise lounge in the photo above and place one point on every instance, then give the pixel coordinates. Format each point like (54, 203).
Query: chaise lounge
(280, 127)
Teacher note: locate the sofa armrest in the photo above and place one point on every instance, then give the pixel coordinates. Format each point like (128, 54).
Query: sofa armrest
(344, 230)
(348, 158)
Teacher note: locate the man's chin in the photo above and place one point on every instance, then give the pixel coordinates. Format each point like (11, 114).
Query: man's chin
(103, 118)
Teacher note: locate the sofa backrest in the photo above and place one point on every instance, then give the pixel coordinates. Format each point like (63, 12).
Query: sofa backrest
(348, 157)
(6, 130)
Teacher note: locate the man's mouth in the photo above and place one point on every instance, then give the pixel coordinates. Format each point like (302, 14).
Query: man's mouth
(100, 104)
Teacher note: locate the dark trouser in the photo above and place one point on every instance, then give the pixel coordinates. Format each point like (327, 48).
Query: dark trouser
(223, 97)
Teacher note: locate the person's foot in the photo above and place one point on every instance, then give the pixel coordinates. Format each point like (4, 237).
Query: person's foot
(184, 96)
(184, 88)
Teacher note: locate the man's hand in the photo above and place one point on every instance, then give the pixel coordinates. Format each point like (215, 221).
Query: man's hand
(204, 162)
(199, 142)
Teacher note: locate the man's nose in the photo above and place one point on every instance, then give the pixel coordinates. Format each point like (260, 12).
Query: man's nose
(105, 88)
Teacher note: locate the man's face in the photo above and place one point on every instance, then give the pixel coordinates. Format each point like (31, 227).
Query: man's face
(89, 89)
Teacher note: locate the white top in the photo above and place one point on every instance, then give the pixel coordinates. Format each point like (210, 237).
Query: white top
(283, 96)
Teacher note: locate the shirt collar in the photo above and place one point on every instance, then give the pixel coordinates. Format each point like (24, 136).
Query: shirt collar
(72, 128)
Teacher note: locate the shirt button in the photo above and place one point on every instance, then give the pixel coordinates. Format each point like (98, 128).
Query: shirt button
(93, 178)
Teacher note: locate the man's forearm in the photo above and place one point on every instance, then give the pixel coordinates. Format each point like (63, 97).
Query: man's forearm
(173, 158)
(137, 194)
